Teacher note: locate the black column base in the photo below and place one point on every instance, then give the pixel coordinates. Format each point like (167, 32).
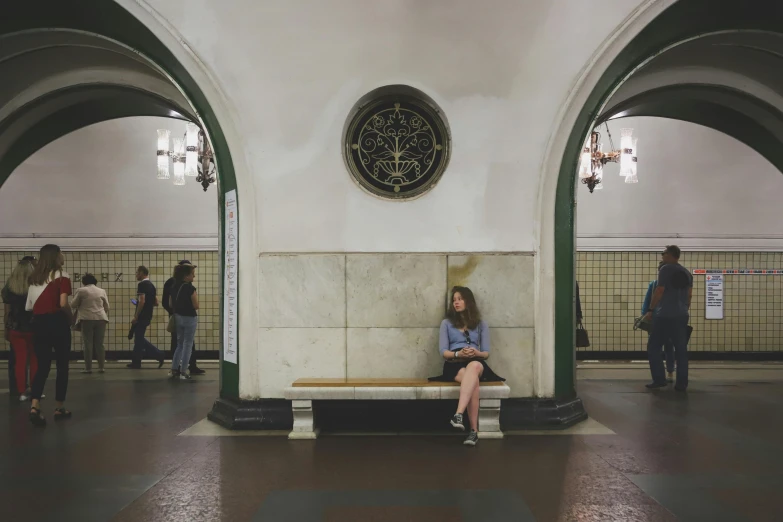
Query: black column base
(261, 414)
(541, 414)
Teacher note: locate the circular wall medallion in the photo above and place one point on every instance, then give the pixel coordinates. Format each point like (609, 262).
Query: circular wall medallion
(397, 143)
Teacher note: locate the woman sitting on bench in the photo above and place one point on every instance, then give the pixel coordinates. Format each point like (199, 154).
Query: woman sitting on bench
(464, 344)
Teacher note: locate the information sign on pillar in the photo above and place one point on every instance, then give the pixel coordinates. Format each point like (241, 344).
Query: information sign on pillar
(714, 297)
(230, 281)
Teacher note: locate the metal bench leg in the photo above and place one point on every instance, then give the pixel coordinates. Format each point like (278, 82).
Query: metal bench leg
(489, 419)
(304, 421)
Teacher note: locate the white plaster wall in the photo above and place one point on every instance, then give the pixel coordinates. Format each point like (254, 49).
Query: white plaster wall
(500, 70)
(286, 74)
(698, 188)
(96, 188)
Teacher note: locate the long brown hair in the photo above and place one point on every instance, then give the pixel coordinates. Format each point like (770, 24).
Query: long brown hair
(49, 262)
(471, 317)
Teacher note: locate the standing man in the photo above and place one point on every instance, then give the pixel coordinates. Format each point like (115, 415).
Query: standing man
(167, 286)
(669, 312)
(668, 348)
(147, 301)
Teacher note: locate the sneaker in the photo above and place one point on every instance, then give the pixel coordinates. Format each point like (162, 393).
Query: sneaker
(173, 374)
(471, 439)
(656, 385)
(197, 371)
(24, 397)
(457, 421)
(86, 371)
(184, 376)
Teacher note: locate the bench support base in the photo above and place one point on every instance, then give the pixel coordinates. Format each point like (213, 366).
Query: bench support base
(304, 421)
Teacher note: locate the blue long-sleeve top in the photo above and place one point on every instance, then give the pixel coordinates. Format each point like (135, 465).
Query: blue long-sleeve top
(452, 338)
(648, 297)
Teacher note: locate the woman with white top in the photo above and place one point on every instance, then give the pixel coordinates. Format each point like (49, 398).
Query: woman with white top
(91, 307)
(47, 299)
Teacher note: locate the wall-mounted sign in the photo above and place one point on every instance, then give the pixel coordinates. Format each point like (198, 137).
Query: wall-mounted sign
(231, 246)
(396, 143)
(713, 308)
(766, 271)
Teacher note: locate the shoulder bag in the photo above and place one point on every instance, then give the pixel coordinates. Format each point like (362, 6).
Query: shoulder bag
(172, 326)
(582, 339)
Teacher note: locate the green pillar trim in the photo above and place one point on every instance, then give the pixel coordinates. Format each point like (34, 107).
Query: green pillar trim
(110, 20)
(684, 20)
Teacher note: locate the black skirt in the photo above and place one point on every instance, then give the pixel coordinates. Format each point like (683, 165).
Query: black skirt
(450, 370)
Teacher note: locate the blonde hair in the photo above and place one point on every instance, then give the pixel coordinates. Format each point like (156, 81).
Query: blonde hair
(18, 281)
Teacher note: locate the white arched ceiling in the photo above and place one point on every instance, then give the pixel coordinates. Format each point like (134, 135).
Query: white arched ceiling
(56, 81)
(730, 81)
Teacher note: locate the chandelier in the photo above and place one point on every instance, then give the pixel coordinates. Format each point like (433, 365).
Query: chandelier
(191, 156)
(591, 166)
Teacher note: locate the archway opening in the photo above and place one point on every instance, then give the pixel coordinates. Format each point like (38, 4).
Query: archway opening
(66, 69)
(701, 62)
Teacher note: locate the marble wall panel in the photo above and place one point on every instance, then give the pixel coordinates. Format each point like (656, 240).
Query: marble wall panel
(301, 291)
(395, 290)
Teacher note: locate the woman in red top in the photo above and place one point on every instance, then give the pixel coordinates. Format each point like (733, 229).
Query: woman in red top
(47, 299)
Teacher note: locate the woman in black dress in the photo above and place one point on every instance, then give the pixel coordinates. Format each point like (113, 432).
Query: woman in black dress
(464, 344)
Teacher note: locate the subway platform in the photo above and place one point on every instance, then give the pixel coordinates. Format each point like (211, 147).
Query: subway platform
(138, 448)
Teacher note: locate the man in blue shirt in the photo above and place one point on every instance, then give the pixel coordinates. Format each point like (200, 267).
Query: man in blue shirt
(668, 348)
(670, 312)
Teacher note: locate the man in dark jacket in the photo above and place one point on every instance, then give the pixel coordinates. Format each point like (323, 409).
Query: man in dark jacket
(167, 287)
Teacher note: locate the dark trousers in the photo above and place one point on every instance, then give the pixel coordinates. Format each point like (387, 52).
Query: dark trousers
(668, 353)
(142, 347)
(192, 364)
(675, 330)
(51, 339)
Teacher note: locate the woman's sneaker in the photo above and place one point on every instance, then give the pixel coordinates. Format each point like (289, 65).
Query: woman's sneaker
(184, 376)
(173, 374)
(471, 439)
(457, 421)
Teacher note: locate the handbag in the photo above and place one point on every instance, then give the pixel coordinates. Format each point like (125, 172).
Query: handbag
(172, 326)
(641, 324)
(582, 339)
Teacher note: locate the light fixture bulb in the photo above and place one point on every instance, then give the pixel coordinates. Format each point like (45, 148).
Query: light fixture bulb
(179, 161)
(626, 151)
(191, 149)
(163, 153)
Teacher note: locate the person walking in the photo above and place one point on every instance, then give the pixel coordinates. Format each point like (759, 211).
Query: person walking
(142, 318)
(47, 299)
(167, 287)
(18, 327)
(669, 312)
(668, 347)
(90, 305)
(184, 302)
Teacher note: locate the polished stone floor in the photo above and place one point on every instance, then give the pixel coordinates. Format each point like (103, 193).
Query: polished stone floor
(138, 449)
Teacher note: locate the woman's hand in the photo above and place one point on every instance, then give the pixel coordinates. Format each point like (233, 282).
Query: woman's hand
(468, 352)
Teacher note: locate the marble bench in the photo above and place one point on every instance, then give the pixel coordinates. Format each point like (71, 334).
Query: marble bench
(303, 392)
